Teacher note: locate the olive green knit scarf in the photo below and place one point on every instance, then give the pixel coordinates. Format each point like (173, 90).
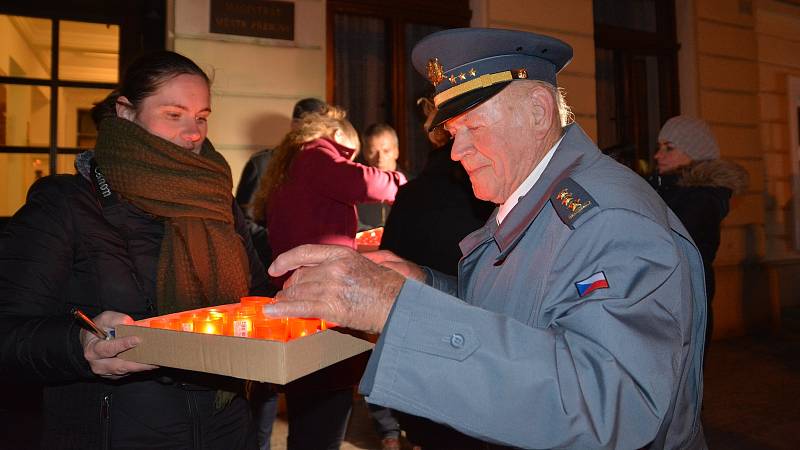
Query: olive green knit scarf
(202, 261)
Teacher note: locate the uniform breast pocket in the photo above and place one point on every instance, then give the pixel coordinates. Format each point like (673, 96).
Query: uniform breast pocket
(526, 273)
(511, 291)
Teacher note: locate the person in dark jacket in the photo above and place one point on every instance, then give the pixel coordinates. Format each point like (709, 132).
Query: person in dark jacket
(433, 212)
(431, 215)
(697, 186)
(147, 226)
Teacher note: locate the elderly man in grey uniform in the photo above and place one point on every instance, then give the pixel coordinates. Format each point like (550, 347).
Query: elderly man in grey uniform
(578, 315)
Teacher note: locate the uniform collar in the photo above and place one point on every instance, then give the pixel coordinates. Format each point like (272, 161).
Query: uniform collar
(575, 151)
(527, 184)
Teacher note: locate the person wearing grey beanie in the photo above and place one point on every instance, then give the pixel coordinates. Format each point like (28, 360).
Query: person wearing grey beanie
(697, 185)
(692, 136)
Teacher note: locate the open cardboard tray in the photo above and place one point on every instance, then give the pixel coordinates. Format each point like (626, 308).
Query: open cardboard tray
(247, 358)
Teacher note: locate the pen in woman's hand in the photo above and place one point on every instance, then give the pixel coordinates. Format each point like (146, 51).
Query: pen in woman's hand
(99, 332)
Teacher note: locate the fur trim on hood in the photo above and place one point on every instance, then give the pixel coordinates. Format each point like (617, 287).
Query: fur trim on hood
(715, 172)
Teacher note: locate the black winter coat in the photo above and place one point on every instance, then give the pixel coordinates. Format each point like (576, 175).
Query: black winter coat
(700, 197)
(61, 250)
(701, 209)
(433, 212)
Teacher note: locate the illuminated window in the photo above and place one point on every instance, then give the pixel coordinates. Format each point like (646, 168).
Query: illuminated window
(50, 70)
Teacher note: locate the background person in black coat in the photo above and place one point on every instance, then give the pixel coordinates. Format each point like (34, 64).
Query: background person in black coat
(434, 211)
(430, 216)
(697, 186)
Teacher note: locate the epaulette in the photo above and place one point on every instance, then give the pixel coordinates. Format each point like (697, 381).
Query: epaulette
(570, 201)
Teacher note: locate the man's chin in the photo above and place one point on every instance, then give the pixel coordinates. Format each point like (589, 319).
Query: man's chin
(482, 194)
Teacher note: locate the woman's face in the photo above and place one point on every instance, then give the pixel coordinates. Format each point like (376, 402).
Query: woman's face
(669, 158)
(178, 111)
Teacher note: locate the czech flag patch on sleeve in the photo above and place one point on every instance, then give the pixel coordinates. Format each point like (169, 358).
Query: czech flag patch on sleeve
(591, 284)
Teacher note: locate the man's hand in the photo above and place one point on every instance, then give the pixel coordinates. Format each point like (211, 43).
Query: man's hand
(336, 284)
(102, 355)
(398, 264)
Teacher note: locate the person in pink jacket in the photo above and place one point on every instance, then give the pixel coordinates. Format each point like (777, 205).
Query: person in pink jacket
(309, 195)
(312, 187)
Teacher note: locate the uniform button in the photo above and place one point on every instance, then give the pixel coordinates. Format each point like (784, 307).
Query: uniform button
(457, 340)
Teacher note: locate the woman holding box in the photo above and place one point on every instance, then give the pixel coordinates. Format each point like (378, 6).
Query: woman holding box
(147, 226)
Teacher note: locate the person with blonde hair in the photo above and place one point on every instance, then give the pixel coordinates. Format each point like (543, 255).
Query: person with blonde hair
(309, 196)
(312, 186)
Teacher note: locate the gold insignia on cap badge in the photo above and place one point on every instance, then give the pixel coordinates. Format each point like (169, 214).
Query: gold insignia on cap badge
(435, 71)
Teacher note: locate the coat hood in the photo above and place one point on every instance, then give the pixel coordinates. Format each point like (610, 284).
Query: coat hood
(715, 172)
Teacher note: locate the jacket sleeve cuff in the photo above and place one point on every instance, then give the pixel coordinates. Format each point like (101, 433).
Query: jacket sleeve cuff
(368, 379)
(439, 281)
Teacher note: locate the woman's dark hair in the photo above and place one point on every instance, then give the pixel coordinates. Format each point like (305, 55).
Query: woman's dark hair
(143, 78)
(309, 105)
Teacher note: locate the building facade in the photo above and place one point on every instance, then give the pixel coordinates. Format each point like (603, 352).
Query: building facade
(734, 63)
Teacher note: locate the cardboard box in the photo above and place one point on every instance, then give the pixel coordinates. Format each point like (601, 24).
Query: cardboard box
(247, 358)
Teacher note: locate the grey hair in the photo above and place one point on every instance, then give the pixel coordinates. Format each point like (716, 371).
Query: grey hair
(565, 115)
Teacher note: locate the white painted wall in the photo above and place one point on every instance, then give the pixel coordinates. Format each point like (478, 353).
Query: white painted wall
(256, 81)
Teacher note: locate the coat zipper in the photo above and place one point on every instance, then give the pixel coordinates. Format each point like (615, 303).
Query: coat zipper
(151, 309)
(105, 421)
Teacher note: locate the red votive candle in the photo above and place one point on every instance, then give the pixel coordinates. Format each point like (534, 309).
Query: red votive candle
(207, 325)
(302, 327)
(272, 329)
(165, 324)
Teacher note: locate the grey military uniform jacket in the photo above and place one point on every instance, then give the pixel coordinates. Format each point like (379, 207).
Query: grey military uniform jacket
(519, 352)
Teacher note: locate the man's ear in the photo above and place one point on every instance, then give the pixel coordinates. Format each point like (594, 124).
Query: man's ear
(125, 108)
(542, 106)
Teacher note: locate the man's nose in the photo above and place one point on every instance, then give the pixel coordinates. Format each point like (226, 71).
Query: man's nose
(460, 146)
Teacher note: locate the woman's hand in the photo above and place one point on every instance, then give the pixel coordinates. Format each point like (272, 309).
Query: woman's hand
(102, 355)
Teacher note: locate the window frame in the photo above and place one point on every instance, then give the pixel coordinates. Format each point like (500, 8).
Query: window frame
(445, 13)
(661, 44)
(142, 29)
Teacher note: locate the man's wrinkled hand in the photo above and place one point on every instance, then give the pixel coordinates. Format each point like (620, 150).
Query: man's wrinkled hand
(102, 354)
(336, 284)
